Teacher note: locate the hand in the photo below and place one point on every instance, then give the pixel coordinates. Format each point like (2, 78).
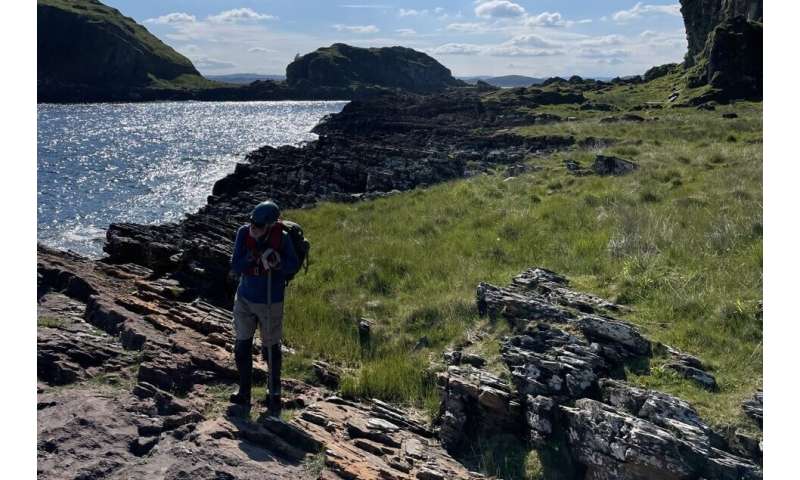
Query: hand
(271, 259)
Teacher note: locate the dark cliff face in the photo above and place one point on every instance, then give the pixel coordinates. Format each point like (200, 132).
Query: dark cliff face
(89, 48)
(701, 17)
(725, 46)
(343, 66)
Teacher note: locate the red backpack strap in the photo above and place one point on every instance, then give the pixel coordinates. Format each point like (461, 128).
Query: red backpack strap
(276, 236)
(252, 246)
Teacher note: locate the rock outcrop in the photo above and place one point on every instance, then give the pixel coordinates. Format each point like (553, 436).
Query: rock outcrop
(87, 50)
(725, 47)
(566, 359)
(129, 378)
(701, 17)
(345, 66)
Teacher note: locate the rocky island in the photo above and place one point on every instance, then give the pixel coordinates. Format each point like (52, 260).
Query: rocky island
(89, 52)
(135, 350)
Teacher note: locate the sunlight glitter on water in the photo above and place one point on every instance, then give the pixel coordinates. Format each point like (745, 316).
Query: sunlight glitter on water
(148, 162)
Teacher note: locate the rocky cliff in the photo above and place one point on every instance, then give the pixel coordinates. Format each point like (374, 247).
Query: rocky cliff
(344, 66)
(701, 17)
(725, 46)
(88, 51)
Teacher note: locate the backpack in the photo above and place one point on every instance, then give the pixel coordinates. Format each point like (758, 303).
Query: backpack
(301, 245)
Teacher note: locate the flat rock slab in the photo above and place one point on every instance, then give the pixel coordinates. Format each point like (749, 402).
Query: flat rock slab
(102, 317)
(361, 443)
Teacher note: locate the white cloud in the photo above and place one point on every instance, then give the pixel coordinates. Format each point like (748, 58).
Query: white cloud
(260, 50)
(605, 40)
(365, 6)
(499, 9)
(438, 10)
(507, 50)
(239, 15)
(640, 9)
(598, 53)
(457, 49)
(356, 28)
(531, 40)
(610, 61)
(545, 19)
(206, 63)
(411, 12)
(406, 32)
(466, 27)
(172, 18)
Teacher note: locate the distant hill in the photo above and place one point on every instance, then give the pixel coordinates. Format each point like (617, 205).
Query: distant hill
(509, 81)
(244, 78)
(472, 80)
(343, 66)
(505, 81)
(514, 81)
(89, 51)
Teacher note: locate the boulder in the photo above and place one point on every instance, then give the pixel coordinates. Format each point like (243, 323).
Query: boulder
(583, 420)
(474, 404)
(609, 165)
(613, 444)
(754, 407)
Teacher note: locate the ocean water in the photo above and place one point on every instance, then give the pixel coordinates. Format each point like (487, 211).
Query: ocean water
(148, 162)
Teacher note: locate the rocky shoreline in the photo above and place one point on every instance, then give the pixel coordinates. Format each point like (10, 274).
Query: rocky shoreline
(150, 326)
(372, 148)
(158, 358)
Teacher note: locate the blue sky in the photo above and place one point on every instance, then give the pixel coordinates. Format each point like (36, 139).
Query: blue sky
(484, 37)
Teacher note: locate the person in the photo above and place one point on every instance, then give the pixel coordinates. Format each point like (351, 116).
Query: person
(264, 256)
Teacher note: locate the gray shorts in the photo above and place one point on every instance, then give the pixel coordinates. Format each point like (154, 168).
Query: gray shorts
(247, 315)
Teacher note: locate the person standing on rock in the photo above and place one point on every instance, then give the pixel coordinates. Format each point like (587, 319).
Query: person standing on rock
(264, 256)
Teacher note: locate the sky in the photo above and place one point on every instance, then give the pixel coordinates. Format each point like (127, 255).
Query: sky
(540, 38)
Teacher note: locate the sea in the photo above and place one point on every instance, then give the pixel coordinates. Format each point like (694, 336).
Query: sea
(148, 162)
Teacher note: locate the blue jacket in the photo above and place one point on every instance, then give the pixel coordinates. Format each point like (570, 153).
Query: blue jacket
(254, 287)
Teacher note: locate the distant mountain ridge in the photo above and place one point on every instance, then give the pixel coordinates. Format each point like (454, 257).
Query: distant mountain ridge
(245, 78)
(506, 80)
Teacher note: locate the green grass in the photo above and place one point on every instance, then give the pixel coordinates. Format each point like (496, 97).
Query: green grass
(98, 12)
(49, 322)
(502, 456)
(187, 82)
(679, 240)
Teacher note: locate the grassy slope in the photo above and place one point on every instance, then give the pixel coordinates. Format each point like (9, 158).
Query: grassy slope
(98, 12)
(679, 240)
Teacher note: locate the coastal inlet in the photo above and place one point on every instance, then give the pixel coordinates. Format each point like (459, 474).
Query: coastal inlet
(148, 162)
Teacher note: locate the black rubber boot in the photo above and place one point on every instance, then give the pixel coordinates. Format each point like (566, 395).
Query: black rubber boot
(274, 358)
(243, 352)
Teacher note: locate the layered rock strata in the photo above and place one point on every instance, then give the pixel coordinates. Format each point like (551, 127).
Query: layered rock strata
(567, 360)
(133, 383)
(725, 47)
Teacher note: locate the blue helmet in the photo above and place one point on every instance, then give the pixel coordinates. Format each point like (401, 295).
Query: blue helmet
(265, 213)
